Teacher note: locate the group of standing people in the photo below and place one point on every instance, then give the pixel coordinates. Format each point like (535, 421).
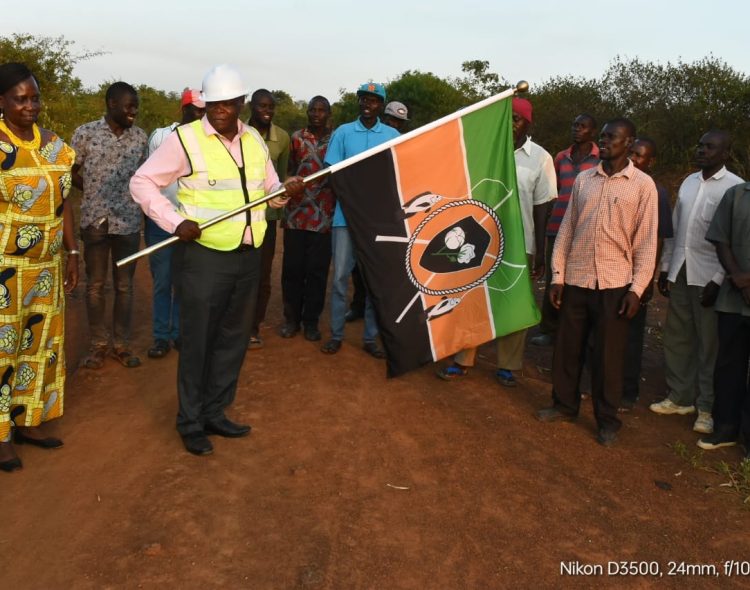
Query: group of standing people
(211, 289)
(610, 236)
(594, 221)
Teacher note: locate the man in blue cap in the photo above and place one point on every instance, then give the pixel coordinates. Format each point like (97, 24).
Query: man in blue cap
(348, 140)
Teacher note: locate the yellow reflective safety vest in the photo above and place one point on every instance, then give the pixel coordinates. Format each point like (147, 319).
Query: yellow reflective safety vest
(215, 186)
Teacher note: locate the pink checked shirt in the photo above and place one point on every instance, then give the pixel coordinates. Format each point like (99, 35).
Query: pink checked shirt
(607, 238)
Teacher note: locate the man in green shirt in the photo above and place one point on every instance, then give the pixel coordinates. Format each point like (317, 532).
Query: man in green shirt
(262, 108)
(728, 232)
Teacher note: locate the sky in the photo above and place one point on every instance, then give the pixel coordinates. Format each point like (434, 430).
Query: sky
(321, 47)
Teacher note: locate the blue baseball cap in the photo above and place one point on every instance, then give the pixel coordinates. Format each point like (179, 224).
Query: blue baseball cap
(372, 88)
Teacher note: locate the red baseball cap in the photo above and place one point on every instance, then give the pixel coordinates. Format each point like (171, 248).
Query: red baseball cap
(192, 96)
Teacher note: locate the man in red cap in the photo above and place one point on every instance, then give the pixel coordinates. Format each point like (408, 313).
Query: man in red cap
(537, 188)
(165, 324)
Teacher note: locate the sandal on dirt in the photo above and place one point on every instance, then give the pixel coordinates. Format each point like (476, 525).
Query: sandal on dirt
(451, 372)
(126, 358)
(95, 358)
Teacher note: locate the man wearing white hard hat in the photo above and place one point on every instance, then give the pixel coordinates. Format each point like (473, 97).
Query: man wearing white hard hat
(219, 164)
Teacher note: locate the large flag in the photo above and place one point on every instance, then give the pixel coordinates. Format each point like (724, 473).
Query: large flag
(437, 230)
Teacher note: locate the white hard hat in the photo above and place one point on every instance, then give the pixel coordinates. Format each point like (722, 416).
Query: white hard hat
(222, 82)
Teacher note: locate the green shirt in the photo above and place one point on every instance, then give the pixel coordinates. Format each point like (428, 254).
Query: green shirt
(277, 141)
(731, 226)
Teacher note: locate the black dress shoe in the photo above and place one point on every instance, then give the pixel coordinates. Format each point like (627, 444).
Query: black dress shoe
(331, 347)
(197, 443)
(553, 415)
(312, 333)
(46, 443)
(373, 350)
(606, 437)
(159, 349)
(225, 427)
(10, 465)
(289, 330)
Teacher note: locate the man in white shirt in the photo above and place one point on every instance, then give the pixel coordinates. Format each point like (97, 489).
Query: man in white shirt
(165, 316)
(690, 276)
(537, 188)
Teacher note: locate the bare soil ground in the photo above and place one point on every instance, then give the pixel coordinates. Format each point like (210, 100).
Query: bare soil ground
(350, 480)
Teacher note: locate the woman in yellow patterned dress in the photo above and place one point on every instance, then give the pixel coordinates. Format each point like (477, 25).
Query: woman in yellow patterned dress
(36, 220)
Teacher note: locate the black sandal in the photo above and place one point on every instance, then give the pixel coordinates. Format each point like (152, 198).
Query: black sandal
(46, 443)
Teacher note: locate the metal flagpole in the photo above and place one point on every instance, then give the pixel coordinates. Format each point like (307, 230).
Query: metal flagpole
(214, 220)
(522, 86)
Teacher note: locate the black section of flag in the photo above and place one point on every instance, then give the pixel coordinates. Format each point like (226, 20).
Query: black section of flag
(439, 258)
(368, 194)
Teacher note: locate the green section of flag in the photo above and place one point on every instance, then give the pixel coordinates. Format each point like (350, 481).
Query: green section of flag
(488, 137)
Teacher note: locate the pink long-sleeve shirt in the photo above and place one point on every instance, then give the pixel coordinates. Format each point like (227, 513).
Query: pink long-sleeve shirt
(170, 162)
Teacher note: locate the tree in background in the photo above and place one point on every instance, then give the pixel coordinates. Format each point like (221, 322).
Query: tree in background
(479, 82)
(674, 102)
(290, 115)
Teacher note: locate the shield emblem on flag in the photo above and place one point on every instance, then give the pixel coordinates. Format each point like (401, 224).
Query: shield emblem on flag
(455, 248)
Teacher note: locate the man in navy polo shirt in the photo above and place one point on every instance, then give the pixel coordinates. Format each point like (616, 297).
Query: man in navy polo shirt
(348, 140)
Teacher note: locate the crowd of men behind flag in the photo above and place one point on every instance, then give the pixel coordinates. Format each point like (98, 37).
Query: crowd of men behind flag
(596, 227)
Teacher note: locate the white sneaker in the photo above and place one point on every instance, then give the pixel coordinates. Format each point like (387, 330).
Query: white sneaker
(704, 423)
(667, 406)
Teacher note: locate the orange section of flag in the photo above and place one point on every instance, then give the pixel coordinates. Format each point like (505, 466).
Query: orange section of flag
(434, 163)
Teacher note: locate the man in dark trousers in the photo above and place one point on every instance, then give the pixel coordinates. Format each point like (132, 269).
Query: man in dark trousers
(220, 164)
(603, 260)
(582, 155)
(643, 156)
(262, 110)
(728, 231)
(307, 227)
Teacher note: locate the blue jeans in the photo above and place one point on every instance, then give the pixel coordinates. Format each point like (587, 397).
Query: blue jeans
(343, 265)
(166, 309)
(98, 247)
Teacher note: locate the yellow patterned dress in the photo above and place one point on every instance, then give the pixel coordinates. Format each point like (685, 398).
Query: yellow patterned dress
(35, 179)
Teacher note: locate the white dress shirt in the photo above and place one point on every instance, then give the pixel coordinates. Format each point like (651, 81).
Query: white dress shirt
(537, 184)
(695, 208)
(156, 139)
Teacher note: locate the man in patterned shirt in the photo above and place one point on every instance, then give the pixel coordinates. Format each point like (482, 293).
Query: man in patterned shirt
(307, 227)
(108, 152)
(604, 258)
(582, 155)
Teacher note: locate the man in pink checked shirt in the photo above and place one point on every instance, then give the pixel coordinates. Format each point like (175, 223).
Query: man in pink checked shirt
(219, 164)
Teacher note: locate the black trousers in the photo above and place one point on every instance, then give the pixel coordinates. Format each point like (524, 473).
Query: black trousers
(304, 275)
(731, 411)
(634, 356)
(267, 252)
(217, 293)
(595, 312)
(359, 297)
(550, 316)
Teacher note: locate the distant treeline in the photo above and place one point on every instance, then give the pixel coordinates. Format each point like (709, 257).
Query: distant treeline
(673, 103)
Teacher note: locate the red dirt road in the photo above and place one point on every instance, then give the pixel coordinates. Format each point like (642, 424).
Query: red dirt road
(349, 480)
